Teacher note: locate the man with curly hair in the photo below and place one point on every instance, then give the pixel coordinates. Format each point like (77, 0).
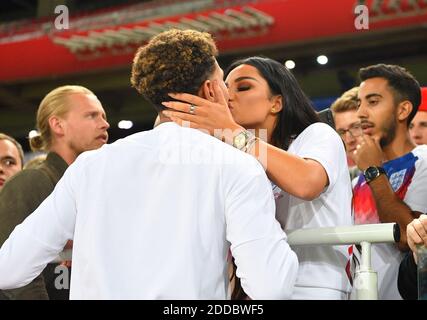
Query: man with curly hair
(154, 215)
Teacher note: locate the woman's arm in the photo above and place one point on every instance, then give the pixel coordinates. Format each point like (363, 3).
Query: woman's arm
(303, 178)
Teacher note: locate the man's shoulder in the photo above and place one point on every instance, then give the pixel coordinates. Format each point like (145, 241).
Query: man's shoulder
(417, 158)
(203, 147)
(28, 178)
(20, 196)
(200, 141)
(137, 139)
(420, 152)
(27, 186)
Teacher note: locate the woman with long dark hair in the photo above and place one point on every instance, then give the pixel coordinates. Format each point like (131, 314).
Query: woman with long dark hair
(269, 116)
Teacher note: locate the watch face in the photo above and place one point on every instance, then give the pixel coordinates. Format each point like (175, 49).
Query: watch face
(239, 141)
(371, 173)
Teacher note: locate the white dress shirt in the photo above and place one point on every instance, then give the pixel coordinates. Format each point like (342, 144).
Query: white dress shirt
(152, 216)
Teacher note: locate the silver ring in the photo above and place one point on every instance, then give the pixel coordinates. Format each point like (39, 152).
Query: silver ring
(192, 108)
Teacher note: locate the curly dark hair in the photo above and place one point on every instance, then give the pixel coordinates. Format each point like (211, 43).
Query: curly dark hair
(173, 61)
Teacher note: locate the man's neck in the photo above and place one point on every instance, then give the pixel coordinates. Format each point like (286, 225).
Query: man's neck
(162, 119)
(64, 152)
(400, 146)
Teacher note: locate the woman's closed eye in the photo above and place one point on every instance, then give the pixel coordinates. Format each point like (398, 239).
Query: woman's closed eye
(243, 88)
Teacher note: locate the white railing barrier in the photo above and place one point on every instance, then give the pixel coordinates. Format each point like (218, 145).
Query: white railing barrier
(365, 282)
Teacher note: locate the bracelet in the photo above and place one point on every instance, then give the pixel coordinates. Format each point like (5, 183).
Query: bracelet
(250, 144)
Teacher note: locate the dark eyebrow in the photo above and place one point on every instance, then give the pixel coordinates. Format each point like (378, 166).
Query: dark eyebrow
(242, 78)
(8, 158)
(245, 78)
(373, 95)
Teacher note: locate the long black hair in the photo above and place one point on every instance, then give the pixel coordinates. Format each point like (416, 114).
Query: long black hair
(297, 112)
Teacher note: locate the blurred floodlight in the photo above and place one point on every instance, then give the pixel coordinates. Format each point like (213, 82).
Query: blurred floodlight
(322, 59)
(290, 64)
(125, 124)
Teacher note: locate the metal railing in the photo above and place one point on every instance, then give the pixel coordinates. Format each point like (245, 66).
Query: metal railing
(366, 281)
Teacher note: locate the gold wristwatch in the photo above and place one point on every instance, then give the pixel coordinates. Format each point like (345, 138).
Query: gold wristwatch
(242, 139)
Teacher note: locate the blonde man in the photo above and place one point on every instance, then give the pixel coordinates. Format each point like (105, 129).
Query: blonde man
(70, 120)
(347, 124)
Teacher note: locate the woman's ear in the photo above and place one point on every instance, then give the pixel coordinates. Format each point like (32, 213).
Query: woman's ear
(404, 110)
(277, 104)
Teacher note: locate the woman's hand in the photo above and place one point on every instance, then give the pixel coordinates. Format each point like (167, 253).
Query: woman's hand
(213, 116)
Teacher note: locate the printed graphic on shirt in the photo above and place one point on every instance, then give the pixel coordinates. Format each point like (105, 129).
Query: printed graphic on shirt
(399, 171)
(396, 179)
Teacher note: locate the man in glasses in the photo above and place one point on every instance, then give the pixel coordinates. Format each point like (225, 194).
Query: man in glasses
(347, 124)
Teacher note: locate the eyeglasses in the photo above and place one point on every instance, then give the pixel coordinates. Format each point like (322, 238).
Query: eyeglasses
(355, 131)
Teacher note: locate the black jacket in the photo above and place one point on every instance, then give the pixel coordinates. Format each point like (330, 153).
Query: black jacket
(407, 281)
(19, 197)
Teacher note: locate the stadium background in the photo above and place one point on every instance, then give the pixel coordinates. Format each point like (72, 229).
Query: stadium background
(97, 49)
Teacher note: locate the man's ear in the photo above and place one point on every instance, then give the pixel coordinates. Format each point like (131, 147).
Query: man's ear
(404, 110)
(207, 91)
(56, 125)
(277, 104)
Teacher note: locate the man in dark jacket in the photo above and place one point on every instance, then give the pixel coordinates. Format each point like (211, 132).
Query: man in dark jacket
(70, 120)
(11, 158)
